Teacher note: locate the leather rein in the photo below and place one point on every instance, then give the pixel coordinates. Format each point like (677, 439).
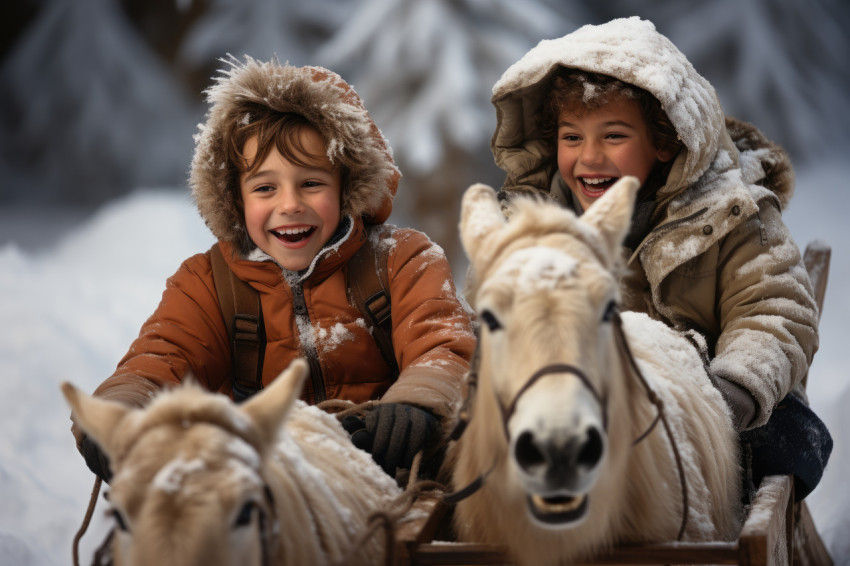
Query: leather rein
(625, 353)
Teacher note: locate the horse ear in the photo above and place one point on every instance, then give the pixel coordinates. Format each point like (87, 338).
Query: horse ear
(268, 408)
(98, 418)
(611, 215)
(480, 215)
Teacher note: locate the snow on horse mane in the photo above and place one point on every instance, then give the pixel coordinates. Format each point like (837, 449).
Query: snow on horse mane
(557, 406)
(199, 480)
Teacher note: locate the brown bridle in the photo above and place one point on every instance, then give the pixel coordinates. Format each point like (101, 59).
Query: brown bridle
(551, 369)
(613, 315)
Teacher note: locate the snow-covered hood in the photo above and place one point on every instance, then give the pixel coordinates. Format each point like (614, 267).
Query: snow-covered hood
(632, 51)
(328, 103)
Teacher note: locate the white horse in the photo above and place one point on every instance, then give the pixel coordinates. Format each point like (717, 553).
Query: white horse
(199, 480)
(558, 405)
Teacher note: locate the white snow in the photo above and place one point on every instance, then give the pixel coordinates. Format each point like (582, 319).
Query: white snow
(170, 478)
(70, 311)
(537, 267)
(330, 339)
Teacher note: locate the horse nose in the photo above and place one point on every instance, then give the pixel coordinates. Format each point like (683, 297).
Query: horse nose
(527, 453)
(560, 459)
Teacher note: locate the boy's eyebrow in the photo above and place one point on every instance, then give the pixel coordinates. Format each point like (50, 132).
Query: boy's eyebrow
(609, 123)
(309, 170)
(256, 175)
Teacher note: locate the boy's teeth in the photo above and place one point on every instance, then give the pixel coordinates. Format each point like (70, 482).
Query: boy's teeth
(597, 181)
(293, 231)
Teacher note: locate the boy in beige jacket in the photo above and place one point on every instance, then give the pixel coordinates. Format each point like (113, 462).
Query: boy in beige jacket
(708, 253)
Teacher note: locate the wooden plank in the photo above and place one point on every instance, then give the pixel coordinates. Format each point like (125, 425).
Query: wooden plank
(817, 257)
(460, 554)
(419, 525)
(764, 539)
(451, 553)
(670, 553)
(809, 549)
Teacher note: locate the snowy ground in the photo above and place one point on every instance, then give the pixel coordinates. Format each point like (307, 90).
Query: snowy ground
(73, 293)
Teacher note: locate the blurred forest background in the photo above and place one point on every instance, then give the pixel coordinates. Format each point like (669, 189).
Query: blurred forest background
(99, 98)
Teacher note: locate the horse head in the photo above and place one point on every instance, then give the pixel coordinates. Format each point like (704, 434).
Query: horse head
(188, 486)
(544, 285)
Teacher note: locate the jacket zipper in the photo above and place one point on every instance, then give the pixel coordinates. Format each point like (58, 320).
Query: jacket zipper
(308, 345)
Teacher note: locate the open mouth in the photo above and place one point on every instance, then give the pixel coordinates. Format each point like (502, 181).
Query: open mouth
(294, 235)
(558, 510)
(595, 186)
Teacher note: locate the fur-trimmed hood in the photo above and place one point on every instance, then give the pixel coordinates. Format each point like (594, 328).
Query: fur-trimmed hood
(328, 103)
(631, 50)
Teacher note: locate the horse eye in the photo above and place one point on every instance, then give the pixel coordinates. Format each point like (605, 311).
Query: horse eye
(609, 312)
(490, 320)
(119, 520)
(244, 517)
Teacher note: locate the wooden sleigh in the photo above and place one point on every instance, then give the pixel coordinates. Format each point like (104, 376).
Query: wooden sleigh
(777, 531)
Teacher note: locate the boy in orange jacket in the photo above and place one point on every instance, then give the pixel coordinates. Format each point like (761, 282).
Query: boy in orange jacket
(292, 176)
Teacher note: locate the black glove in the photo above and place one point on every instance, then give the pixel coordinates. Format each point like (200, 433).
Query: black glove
(96, 460)
(394, 433)
(794, 441)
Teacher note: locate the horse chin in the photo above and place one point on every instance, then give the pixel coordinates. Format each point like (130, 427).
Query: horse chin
(561, 511)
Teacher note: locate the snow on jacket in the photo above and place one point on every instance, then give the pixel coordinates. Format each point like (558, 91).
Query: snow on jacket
(432, 335)
(718, 259)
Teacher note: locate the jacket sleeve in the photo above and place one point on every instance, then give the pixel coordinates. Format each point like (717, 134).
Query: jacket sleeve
(433, 336)
(184, 336)
(767, 312)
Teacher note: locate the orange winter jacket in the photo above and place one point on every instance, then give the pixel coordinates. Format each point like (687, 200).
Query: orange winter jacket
(432, 334)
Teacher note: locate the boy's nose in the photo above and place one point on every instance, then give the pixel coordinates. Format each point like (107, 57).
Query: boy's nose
(289, 201)
(591, 153)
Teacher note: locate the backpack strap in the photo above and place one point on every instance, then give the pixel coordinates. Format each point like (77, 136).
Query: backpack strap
(368, 285)
(369, 290)
(243, 316)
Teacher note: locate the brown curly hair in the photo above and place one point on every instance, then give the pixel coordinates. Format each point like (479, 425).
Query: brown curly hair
(279, 130)
(582, 91)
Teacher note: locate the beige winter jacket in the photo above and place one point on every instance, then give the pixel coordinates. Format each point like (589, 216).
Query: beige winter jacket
(718, 259)
(306, 313)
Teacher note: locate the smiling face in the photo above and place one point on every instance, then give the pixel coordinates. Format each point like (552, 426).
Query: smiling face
(596, 147)
(291, 209)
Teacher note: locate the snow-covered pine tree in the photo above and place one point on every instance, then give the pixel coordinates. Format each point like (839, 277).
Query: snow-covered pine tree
(87, 111)
(425, 70)
(290, 30)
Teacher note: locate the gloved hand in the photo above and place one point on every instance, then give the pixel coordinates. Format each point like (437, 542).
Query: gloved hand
(741, 403)
(394, 433)
(96, 460)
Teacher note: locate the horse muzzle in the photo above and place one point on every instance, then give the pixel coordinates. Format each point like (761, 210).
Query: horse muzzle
(557, 511)
(557, 474)
(557, 442)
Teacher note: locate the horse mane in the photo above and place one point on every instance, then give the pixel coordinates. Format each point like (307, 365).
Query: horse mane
(190, 403)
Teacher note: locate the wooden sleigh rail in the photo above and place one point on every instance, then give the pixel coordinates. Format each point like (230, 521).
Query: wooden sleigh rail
(777, 531)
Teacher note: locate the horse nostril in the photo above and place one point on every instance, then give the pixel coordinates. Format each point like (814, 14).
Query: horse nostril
(591, 451)
(526, 452)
